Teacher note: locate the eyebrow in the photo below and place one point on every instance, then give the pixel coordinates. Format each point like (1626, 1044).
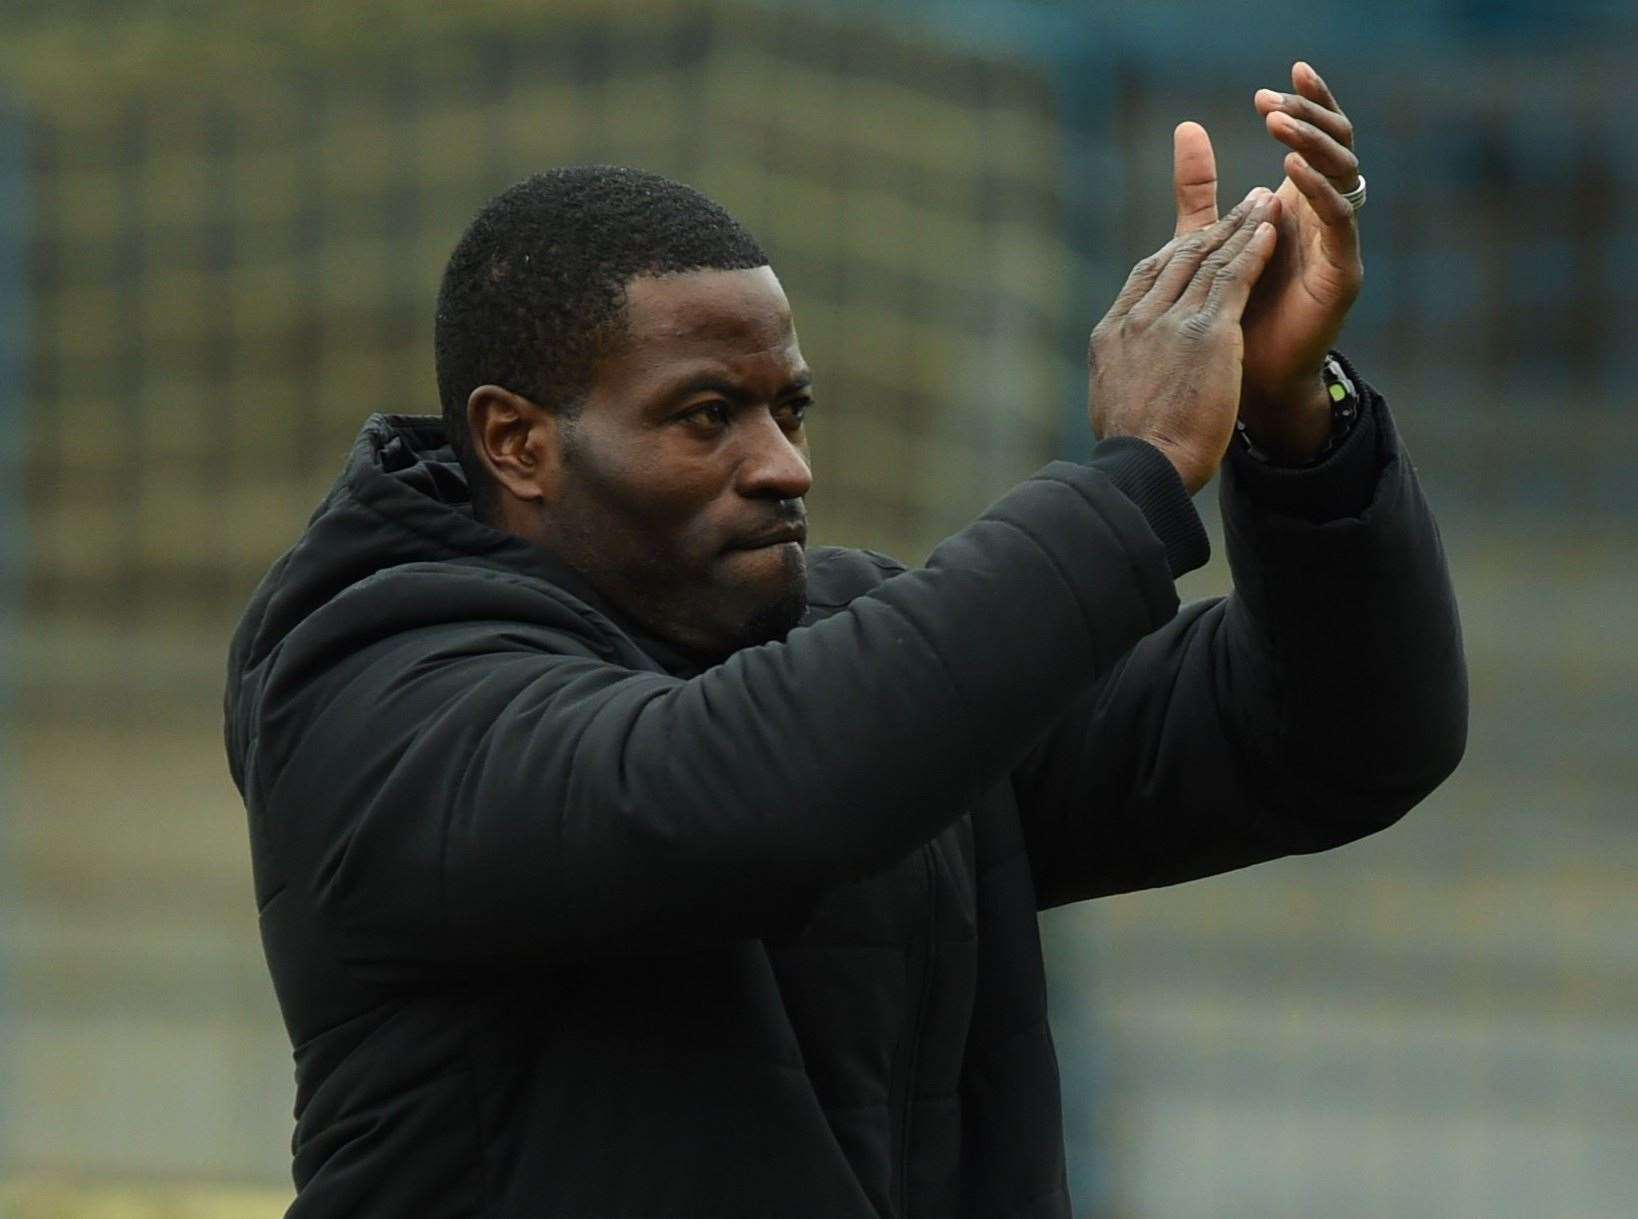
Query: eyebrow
(708, 382)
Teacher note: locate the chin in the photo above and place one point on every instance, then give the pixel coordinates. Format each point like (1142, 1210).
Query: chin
(778, 599)
(774, 621)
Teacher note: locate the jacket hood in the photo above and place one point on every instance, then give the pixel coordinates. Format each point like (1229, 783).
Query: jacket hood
(402, 498)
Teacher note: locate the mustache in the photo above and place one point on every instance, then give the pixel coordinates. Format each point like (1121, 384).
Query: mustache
(788, 522)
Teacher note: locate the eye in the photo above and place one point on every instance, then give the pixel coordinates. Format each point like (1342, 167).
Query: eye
(708, 417)
(793, 411)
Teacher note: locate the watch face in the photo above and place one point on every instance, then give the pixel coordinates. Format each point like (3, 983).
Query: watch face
(1344, 399)
(1337, 382)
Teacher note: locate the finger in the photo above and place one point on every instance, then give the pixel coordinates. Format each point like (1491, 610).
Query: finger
(1193, 297)
(1320, 150)
(1194, 178)
(1313, 88)
(1321, 192)
(1141, 279)
(1333, 122)
(1309, 83)
(1190, 251)
(1232, 286)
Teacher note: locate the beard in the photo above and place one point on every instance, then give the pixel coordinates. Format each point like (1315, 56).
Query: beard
(688, 609)
(774, 621)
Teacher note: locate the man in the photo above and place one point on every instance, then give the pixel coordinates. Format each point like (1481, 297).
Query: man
(619, 856)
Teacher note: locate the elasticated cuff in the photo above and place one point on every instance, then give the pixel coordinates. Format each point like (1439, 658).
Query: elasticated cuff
(1149, 480)
(1340, 486)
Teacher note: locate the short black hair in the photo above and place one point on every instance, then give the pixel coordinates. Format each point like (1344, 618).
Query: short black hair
(535, 291)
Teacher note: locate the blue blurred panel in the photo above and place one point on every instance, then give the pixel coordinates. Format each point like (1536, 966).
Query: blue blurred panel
(1499, 21)
(1544, 283)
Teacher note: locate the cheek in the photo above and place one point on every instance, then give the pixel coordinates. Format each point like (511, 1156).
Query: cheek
(677, 498)
(662, 498)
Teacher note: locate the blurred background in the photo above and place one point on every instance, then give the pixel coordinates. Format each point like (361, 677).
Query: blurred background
(221, 228)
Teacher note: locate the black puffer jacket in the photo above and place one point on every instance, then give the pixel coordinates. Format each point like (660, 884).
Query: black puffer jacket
(562, 925)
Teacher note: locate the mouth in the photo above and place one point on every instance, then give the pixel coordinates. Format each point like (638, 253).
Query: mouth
(779, 535)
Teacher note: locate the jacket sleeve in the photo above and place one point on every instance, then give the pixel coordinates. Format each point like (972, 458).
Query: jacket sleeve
(462, 792)
(1316, 704)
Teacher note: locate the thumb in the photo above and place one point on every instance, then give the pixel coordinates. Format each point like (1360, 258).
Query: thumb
(1194, 178)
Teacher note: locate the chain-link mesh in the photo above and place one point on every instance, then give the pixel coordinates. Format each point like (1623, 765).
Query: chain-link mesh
(227, 284)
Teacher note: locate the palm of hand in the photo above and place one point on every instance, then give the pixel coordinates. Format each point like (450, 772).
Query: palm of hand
(1297, 308)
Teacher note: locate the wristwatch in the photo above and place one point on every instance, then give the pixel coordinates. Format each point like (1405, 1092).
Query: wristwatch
(1344, 396)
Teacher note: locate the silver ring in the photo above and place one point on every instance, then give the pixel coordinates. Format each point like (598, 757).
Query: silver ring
(1356, 198)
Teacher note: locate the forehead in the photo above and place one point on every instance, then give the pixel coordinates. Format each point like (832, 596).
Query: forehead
(700, 310)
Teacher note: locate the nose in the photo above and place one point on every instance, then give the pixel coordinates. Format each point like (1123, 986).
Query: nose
(774, 463)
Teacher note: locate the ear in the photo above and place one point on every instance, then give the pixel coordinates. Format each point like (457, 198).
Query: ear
(517, 441)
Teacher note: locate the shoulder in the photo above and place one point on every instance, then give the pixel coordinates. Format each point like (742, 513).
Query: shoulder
(462, 594)
(415, 615)
(837, 574)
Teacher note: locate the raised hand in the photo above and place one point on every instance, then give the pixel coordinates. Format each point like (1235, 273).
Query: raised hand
(1166, 359)
(1300, 302)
